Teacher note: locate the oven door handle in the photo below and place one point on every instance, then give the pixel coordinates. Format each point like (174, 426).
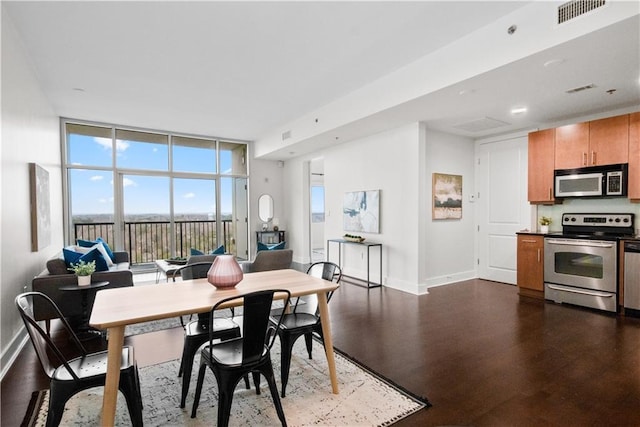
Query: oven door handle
(580, 291)
(580, 243)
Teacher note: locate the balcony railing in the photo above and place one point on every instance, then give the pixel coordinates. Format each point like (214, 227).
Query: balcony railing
(147, 241)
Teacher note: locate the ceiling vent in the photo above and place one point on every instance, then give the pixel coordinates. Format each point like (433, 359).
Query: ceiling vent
(581, 88)
(573, 9)
(480, 125)
(286, 135)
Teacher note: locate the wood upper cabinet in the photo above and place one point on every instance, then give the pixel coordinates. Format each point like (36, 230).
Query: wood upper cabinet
(572, 146)
(540, 166)
(594, 143)
(530, 265)
(609, 141)
(634, 157)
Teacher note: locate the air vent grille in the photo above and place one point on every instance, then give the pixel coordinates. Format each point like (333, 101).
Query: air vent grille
(581, 88)
(286, 135)
(573, 9)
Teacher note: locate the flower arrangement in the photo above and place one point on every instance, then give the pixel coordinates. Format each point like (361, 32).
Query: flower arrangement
(83, 268)
(545, 220)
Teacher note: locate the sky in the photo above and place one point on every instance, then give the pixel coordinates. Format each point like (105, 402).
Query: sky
(92, 190)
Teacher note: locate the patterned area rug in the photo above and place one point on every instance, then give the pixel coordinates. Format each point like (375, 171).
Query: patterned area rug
(364, 399)
(153, 326)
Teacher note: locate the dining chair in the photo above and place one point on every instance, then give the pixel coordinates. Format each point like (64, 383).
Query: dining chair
(196, 332)
(232, 359)
(70, 376)
(302, 319)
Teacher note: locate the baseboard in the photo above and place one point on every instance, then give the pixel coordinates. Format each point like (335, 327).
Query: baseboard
(447, 279)
(13, 350)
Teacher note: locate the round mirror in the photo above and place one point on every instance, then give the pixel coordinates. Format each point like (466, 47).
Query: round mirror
(265, 208)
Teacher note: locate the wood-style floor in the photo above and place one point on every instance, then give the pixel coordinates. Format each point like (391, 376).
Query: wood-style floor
(478, 352)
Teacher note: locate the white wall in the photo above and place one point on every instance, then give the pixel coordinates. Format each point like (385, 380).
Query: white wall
(30, 133)
(448, 245)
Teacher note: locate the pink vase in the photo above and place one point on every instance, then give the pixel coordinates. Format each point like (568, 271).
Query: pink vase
(225, 272)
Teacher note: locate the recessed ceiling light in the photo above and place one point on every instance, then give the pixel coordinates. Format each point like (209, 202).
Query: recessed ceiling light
(78, 89)
(519, 110)
(466, 92)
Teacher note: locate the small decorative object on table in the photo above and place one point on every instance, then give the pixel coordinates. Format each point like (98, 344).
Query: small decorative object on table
(545, 221)
(177, 261)
(225, 272)
(83, 270)
(352, 238)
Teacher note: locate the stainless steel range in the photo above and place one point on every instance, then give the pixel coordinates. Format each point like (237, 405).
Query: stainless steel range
(581, 264)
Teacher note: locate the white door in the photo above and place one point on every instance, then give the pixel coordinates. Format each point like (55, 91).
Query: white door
(240, 218)
(503, 208)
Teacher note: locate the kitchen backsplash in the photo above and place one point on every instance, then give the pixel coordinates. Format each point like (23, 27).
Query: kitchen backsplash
(599, 205)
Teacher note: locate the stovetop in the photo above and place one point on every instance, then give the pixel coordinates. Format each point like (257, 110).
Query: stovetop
(609, 226)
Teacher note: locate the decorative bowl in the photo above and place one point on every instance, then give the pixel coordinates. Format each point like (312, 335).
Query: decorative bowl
(353, 239)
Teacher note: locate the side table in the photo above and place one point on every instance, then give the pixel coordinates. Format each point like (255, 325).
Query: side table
(85, 332)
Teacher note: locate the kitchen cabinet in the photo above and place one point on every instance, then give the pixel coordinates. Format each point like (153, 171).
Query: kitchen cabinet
(541, 163)
(594, 143)
(634, 157)
(530, 265)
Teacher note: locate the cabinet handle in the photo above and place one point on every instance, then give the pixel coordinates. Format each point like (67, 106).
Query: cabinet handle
(528, 241)
(538, 255)
(584, 159)
(550, 193)
(593, 157)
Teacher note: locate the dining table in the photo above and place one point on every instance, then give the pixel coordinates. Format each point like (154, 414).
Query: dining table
(114, 309)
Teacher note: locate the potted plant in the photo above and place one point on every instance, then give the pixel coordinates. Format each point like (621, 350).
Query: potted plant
(83, 270)
(545, 221)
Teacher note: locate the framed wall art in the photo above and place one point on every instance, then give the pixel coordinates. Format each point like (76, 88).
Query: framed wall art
(40, 207)
(361, 211)
(447, 196)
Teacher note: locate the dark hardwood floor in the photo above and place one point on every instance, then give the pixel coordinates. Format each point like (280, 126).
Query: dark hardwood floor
(478, 352)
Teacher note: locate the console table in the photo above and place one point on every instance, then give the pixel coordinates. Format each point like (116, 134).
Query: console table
(270, 237)
(368, 245)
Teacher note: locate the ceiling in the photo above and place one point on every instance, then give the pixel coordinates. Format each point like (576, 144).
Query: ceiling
(238, 70)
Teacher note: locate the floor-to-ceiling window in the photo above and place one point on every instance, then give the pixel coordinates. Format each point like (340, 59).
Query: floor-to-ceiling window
(154, 194)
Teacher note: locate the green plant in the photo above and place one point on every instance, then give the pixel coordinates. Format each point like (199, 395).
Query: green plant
(83, 268)
(545, 220)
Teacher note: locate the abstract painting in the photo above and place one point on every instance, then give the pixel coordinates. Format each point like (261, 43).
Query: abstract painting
(40, 208)
(361, 211)
(447, 196)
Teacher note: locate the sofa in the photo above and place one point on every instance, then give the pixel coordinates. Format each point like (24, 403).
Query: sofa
(56, 275)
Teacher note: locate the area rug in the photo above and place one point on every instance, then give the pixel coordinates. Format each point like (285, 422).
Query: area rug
(153, 326)
(365, 399)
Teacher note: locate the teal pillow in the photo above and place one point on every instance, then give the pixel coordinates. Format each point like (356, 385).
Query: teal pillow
(278, 246)
(262, 247)
(193, 251)
(95, 255)
(218, 251)
(70, 257)
(89, 243)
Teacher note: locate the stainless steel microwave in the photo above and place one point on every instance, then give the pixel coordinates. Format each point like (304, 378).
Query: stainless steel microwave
(597, 181)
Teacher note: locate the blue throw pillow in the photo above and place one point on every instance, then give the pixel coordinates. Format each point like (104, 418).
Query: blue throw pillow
(193, 251)
(218, 251)
(262, 247)
(89, 243)
(278, 246)
(70, 257)
(95, 255)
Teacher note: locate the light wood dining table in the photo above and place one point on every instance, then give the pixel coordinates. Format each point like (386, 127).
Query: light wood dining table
(114, 309)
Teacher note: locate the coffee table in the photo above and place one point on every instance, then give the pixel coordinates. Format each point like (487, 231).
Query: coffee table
(166, 268)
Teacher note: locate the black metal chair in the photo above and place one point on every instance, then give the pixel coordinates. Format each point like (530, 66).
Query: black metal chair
(196, 332)
(231, 360)
(303, 319)
(68, 377)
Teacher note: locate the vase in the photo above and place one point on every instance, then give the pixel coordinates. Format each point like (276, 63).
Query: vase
(544, 229)
(225, 272)
(84, 280)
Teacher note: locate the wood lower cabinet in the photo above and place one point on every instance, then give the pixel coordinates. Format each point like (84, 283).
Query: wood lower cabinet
(530, 265)
(540, 166)
(634, 157)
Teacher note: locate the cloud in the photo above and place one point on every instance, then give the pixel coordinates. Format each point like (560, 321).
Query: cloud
(106, 144)
(96, 178)
(189, 195)
(126, 182)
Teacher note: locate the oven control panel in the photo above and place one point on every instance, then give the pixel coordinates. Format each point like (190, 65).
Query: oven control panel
(598, 220)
